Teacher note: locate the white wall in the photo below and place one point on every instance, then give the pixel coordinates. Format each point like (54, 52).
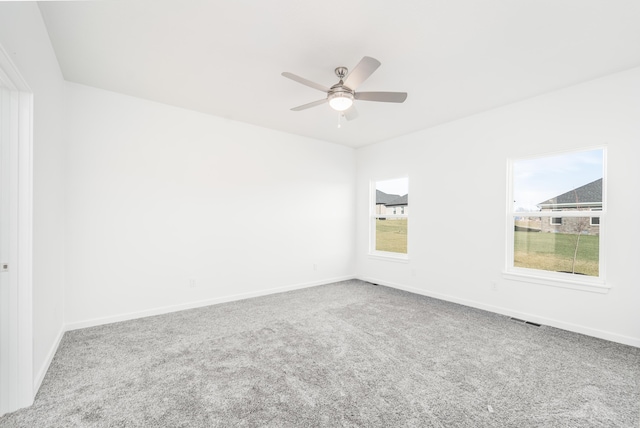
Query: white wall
(457, 175)
(24, 36)
(157, 195)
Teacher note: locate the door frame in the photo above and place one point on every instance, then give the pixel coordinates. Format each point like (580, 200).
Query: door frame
(16, 340)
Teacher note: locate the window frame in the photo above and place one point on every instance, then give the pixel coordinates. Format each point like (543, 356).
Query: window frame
(373, 216)
(597, 284)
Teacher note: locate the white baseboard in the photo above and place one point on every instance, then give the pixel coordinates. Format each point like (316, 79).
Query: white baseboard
(37, 381)
(198, 304)
(601, 334)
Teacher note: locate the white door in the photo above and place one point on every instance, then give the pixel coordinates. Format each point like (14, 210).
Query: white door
(5, 308)
(16, 325)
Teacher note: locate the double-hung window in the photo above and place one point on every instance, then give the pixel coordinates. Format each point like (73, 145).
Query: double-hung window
(556, 218)
(389, 218)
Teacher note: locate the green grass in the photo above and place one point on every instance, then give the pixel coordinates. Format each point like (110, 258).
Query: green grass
(554, 252)
(544, 251)
(391, 235)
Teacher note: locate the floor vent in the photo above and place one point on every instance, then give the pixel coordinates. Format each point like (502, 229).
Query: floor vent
(525, 322)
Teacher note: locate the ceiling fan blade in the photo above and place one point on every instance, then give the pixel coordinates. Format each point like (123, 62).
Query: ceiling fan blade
(309, 105)
(306, 82)
(351, 113)
(361, 72)
(387, 97)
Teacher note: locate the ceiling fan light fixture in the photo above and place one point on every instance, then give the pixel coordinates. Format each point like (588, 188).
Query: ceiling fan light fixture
(340, 101)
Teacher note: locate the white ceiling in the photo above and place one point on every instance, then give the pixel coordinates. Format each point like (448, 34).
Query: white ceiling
(453, 57)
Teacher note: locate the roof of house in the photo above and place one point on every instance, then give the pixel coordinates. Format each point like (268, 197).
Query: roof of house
(402, 200)
(590, 193)
(384, 198)
(391, 200)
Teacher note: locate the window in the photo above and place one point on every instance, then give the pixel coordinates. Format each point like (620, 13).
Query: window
(595, 221)
(555, 220)
(389, 219)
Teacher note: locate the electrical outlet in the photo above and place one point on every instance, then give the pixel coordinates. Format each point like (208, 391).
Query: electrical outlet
(315, 266)
(193, 283)
(494, 286)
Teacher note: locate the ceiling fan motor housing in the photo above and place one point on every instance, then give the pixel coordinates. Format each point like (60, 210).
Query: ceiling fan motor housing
(339, 96)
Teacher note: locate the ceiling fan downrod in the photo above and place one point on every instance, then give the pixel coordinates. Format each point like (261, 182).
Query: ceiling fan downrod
(341, 72)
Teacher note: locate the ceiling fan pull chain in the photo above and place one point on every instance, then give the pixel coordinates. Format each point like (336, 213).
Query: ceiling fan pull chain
(340, 114)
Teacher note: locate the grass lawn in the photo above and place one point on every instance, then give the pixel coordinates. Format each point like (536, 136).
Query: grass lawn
(554, 252)
(391, 235)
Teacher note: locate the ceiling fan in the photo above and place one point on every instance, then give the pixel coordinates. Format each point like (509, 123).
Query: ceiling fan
(342, 95)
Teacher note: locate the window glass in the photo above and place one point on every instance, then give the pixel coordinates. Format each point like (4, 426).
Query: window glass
(573, 251)
(390, 219)
(552, 230)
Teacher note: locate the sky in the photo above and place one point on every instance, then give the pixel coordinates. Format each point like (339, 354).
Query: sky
(398, 186)
(539, 179)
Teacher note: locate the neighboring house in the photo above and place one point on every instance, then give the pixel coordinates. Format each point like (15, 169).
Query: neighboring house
(583, 198)
(399, 205)
(387, 204)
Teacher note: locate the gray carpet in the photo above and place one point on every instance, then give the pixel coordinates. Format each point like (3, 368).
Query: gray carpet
(347, 354)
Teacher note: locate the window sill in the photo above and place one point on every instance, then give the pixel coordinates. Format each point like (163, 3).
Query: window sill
(596, 286)
(389, 257)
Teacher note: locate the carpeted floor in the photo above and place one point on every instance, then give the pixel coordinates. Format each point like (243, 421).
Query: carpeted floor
(347, 354)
